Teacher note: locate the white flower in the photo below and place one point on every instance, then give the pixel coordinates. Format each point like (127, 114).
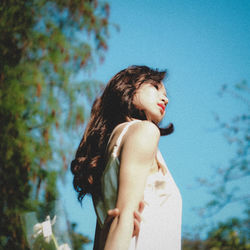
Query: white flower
(44, 228)
(64, 247)
(38, 229)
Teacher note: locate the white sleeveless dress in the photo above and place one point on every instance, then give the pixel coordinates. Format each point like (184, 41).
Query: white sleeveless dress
(160, 228)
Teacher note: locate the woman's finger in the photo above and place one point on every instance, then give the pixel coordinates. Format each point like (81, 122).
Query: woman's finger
(141, 206)
(113, 212)
(137, 216)
(136, 228)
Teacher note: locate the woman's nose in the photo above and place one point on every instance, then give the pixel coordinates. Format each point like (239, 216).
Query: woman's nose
(165, 99)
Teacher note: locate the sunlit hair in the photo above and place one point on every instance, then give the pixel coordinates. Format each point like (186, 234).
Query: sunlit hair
(114, 106)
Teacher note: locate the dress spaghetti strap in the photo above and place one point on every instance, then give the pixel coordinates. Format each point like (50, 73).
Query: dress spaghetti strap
(118, 142)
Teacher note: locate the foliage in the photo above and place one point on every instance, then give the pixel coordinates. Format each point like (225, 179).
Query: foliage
(192, 244)
(43, 46)
(77, 239)
(229, 235)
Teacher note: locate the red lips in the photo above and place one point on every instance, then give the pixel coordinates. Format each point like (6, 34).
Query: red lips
(162, 106)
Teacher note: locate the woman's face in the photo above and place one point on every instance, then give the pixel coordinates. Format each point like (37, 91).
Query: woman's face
(152, 99)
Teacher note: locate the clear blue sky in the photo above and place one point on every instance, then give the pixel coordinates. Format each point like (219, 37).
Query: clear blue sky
(202, 44)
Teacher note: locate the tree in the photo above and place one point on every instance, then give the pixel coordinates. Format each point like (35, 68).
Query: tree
(228, 235)
(77, 239)
(43, 46)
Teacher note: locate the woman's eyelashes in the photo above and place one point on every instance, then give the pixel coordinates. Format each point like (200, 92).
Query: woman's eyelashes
(156, 86)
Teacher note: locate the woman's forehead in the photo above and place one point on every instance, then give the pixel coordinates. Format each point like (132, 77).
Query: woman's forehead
(160, 85)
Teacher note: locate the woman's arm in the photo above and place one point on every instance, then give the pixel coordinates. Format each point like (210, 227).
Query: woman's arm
(137, 155)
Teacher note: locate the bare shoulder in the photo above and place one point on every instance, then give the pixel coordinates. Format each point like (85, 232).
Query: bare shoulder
(144, 135)
(144, 128)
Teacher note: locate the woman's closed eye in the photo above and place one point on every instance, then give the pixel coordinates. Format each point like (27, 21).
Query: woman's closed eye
(156, 86)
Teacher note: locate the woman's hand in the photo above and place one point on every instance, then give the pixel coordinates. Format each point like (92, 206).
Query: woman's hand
(137, 217)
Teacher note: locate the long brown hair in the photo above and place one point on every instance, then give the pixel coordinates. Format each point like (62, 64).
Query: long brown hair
(113, 107)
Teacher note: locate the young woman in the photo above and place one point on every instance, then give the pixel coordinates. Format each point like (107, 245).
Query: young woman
(119, 164)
